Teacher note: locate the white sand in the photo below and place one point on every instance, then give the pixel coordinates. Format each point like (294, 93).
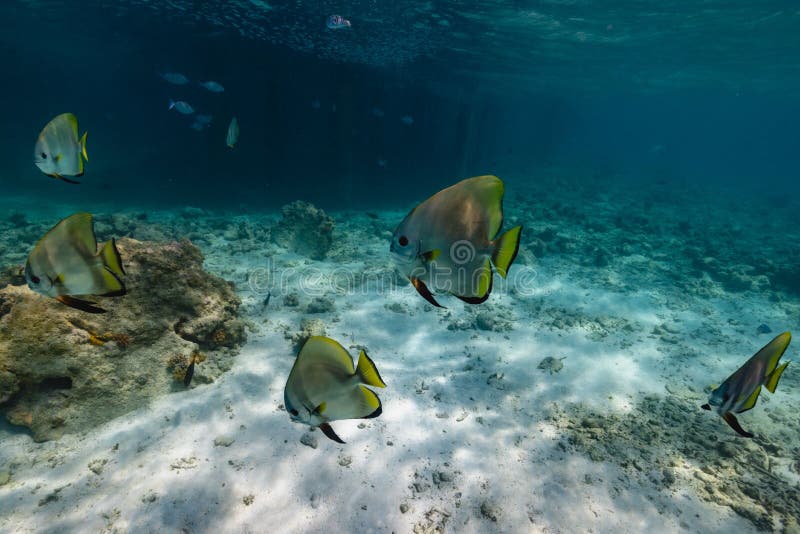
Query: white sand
(158, 470)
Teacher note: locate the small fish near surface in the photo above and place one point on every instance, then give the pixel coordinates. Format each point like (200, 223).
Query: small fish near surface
(65, 263)
(213, 86)
(337, 22)
(181, 107)
(323, 386)
(59, 152)
(233, 133)
(450, 242)
(740, 391)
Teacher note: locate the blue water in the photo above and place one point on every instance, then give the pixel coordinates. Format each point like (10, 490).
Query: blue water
(675, 91)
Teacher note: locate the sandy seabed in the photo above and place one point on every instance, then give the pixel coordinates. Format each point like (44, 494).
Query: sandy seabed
(641, 300)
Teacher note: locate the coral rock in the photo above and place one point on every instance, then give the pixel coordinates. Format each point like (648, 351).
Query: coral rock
(64, 371)
(304, 229)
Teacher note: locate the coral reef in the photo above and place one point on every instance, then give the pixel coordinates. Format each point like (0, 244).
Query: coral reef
(304, 229)
(64, 371)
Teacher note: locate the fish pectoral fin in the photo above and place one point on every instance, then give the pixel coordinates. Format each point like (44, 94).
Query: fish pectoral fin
(328, 431)
(431, 255)
(319, 410)
(423, 290)
(79, 304)
(772, 383)
(751, 400)
(734, 424)
(506, 249)
(368, 372)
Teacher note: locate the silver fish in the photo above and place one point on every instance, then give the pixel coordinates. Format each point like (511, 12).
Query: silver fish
(175, 78)
(181, 106)
(233, 133)
(450, 242)
(740, 391)
(213, 86)
(66, 262)
(323, 386)
(59, 152)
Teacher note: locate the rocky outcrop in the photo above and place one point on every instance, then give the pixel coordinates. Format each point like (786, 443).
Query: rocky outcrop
(64, 371)
(304, 229)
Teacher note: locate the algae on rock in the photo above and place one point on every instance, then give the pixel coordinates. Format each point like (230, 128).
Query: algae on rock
(64, 371)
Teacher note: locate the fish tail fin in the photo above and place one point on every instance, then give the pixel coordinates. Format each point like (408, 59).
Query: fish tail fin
(505, 250)
(111, 258)
(112, 270)
(367, 371)
(83, 146)
(372, 402)
(772, 383)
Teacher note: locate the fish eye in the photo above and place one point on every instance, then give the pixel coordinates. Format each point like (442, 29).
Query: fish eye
(403, 241)
(44, 156)
(35, 279)
(294, 412)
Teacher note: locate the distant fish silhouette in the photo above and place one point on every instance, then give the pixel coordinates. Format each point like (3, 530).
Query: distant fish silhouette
(337, 22)
(175, 78)
(213, 86)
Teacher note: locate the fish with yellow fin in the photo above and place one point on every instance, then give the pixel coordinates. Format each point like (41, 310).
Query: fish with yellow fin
(323, 386)
(59, 152)
(450, 242)
(740, 391)
(66, 262)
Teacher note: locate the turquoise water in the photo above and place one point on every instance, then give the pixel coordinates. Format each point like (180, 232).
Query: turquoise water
(648, 150)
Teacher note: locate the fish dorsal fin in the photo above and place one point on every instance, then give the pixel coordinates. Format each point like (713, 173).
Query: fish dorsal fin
(489, 192)
(772, 351)
(368, 372)
(751, 401)
(76, 229)
(772, 382)
(323, 348)
(72, 120)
